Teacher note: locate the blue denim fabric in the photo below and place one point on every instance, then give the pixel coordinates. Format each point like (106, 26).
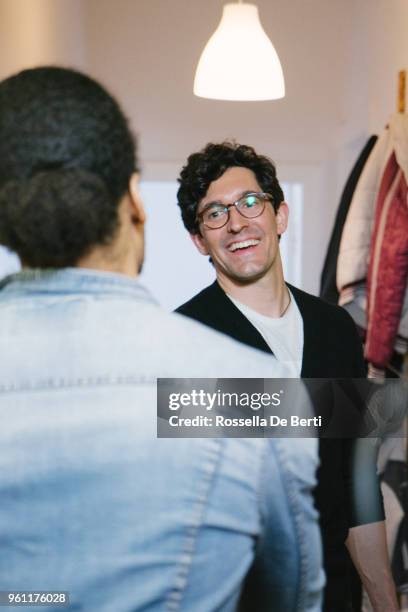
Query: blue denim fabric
(91, 502)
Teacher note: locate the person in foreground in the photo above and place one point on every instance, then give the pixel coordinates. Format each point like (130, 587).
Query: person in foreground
(233, 207)
(91, 501)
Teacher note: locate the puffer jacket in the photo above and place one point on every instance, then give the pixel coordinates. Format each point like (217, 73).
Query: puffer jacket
(388, 267)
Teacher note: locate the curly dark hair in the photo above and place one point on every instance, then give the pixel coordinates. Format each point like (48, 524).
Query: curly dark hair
(66, 157)
(209, 164)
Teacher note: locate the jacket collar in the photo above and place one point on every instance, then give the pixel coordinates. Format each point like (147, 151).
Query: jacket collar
(73, 281)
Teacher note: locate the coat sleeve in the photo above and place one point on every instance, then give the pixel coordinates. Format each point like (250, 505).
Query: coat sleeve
(388, 268)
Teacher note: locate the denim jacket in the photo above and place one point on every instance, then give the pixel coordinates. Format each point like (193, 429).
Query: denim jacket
(92, 503)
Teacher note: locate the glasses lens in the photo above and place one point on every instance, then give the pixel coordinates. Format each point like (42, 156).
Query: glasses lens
(251, 205)
(215, 216)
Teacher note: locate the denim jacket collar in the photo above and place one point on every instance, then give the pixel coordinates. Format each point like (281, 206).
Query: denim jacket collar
(74, 281)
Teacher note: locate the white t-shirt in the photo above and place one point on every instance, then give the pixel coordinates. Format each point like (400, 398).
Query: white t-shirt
(284, 335)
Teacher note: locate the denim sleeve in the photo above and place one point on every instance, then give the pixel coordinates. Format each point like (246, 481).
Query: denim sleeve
(287, 571)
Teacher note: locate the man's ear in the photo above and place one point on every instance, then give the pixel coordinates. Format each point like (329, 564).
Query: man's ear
(282, 216)
(200, 243)
(137, 210)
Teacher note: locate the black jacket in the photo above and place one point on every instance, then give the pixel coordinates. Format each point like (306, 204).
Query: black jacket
(332, 349)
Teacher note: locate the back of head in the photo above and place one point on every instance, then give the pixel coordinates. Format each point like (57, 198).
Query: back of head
(66, 157)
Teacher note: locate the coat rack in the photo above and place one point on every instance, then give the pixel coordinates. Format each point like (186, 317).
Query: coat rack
(401, 91)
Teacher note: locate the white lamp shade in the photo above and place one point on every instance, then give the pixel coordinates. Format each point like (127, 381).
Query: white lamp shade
(239, 62)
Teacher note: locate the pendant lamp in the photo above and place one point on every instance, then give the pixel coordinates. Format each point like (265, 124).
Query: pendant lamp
(239, 62)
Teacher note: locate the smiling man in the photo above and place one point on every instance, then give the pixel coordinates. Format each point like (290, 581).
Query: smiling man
(233, 207)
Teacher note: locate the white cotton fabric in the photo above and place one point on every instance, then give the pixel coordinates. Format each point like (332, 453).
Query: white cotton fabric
(283, 335)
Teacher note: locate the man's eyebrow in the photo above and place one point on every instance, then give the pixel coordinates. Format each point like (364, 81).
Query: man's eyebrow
(218, 203)
(210, 204)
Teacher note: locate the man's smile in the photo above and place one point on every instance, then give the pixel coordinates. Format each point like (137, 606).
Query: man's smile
(243, 245)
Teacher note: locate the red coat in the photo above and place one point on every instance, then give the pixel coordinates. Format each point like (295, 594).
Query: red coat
(388, 266)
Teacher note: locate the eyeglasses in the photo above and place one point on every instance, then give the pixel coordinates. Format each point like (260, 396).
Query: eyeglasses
(251, 205)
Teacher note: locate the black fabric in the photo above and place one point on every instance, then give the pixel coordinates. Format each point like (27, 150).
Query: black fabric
(328, 287)
(332, 349)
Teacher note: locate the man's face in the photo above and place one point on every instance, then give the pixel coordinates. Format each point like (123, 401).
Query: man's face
(232, 257)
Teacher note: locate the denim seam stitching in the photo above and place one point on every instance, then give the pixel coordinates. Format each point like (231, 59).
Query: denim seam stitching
(259, 497)
(208, 469)
(90, 381)
(289, 485)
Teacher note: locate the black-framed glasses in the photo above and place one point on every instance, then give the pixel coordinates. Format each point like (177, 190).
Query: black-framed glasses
(250, 205)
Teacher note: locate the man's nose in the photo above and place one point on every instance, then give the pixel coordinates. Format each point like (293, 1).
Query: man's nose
(236, 222)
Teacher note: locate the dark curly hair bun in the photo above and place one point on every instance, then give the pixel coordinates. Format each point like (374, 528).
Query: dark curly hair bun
(66, 158)
(52, 219)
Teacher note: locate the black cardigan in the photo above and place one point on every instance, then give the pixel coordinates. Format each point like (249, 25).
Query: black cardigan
(332, 349)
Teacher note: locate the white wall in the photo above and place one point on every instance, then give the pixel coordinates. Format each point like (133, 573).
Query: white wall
(388, 44)
(148, 50)
(377, 51)
(36, 32)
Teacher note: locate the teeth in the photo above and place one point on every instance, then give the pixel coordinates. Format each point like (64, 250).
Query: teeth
(243, 245)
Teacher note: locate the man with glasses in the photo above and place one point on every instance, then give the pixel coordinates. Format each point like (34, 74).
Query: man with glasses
(233, 207)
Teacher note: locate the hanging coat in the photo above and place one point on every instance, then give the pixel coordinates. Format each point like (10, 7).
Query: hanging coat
(374, 246)
(328, 287)
(388, 267)
(354, 251)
